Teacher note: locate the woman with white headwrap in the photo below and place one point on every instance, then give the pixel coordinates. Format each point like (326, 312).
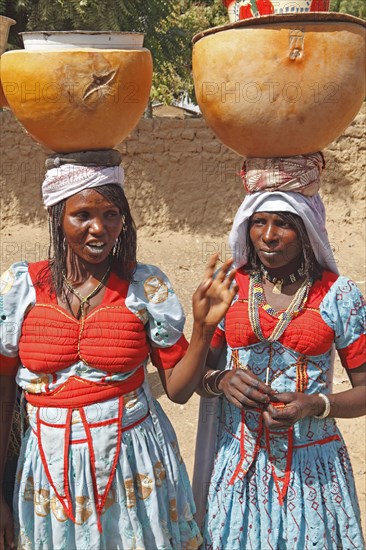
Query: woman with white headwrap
(276, 473)
(99, 467)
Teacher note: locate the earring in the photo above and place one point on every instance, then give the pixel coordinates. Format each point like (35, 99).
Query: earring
(115, 248)
(256, 261)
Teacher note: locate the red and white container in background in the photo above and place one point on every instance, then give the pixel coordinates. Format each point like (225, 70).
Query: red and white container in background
(245, 9)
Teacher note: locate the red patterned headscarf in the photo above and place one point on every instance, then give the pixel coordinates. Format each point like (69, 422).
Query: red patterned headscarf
(300, 174)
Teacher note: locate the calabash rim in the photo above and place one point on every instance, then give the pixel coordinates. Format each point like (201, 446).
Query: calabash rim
(263, 21)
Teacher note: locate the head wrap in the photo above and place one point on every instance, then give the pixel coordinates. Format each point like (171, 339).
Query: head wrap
(300, 173)
(310, 209)
(69, 179)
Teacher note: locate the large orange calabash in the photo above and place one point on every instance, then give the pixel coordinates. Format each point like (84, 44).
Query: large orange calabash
(281, 85)
(79, 100)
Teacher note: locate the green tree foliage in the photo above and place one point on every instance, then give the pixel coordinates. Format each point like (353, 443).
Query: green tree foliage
(352, 7)
(172, 45)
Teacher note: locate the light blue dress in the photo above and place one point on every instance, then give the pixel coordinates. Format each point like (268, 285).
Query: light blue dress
(294, 489)
(68, 461)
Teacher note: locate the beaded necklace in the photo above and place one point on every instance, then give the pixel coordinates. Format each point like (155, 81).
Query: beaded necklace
(279, 283)
(257, 299)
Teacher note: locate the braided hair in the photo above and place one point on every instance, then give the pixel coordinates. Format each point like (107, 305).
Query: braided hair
(124, 250)
(311, 266)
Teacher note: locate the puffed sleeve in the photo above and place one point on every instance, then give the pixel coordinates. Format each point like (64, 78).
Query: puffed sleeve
(344, 310)
(17, 295)
(152, 298)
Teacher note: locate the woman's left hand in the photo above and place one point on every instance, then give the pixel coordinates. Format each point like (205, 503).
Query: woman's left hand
(213, 297)
(289, 408)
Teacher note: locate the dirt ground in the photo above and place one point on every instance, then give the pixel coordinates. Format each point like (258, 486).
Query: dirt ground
(182, 257)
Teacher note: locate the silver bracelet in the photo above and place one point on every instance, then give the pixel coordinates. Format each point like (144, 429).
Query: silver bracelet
(215, 392)
(326, 411)
(217, 379)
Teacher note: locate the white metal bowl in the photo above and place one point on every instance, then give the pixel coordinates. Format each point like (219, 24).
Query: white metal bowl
(76, 40)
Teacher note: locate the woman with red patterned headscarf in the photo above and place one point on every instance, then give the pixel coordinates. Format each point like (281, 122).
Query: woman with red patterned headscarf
(272, 469)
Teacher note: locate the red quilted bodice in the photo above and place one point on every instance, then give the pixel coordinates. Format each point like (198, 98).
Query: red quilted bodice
(111, 338)
(307, 333)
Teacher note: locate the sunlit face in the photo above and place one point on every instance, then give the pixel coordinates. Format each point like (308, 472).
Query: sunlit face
(91, 224)
(275, 241)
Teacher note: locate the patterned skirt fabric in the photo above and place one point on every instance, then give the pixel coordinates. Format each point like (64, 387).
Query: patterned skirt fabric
(319, 512)
(147, 502)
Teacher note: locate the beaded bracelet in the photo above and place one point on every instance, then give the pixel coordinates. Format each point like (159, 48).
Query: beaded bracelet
(326, 411)
(215, 392)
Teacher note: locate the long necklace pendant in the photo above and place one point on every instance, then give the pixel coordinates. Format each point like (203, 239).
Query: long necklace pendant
(277, 287)
(267, 375)
(83, 303)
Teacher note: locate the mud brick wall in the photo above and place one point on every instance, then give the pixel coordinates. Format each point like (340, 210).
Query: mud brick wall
(178, 175)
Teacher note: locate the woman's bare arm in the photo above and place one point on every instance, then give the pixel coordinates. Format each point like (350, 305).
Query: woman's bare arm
(211, 301)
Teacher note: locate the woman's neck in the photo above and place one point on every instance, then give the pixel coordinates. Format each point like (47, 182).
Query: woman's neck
(286, 270)
(78, 271)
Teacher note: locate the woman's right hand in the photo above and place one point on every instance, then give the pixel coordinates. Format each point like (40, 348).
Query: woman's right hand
(243, 389)
(215, 294)
(6, 526)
